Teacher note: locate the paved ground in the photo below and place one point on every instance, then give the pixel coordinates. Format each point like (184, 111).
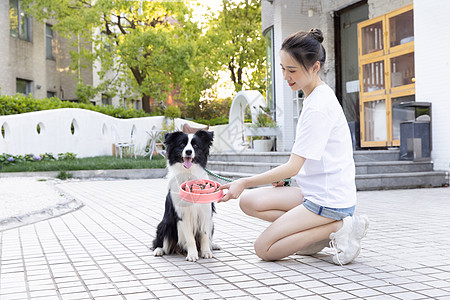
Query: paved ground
(101, 251)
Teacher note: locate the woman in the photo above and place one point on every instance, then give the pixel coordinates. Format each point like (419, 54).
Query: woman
(305, 218)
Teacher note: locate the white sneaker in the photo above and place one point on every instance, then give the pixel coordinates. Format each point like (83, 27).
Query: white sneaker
(314, 248)
(346, 242)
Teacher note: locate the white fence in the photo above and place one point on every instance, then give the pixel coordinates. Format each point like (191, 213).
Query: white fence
(87, 133)
(84, 132)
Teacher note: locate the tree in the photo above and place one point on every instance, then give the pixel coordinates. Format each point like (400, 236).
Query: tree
(149, 48)
(239, 43)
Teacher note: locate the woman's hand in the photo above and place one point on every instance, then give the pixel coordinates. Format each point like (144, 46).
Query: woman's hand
(234, 188)
(278, 183)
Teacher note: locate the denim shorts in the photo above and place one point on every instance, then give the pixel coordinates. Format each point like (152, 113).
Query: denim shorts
(329, 212)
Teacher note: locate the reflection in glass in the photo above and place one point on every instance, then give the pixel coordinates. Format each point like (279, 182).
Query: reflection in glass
(402, 70)
(375, 120)
(373, 76)
(401, 29)
(372, 38)
(401, 114)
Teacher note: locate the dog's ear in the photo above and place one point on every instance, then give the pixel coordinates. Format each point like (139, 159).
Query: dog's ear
(206, 136)
(171, 136)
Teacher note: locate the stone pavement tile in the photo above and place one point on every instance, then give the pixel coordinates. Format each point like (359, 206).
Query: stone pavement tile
(408, 296)
(381, 297)
(102, 251)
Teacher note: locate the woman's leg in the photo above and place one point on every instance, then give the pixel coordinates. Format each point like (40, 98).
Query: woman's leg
(269, 203)
(294, 227)
(295, 230)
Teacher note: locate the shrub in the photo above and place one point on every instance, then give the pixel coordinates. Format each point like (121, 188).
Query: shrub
(6, 158)
(172, 112)
(19, 103)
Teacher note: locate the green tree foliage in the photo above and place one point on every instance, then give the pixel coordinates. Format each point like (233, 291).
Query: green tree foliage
(239, 45)
(148, 48)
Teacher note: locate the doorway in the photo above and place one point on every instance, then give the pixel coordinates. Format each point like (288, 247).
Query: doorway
(347, 75)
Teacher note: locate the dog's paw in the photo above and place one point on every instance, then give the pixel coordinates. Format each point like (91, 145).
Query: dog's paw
(214, 246)
(158, 252)
(192, 257)
(207, 254)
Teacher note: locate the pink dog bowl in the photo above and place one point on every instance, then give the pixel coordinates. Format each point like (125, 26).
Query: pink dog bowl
(200, 191)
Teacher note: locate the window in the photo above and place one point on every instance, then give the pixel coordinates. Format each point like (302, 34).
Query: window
(23, 86)
(106, 99)
(19, 23)
(49, 41)
(268, 35)
(51, 94)
(386, 75)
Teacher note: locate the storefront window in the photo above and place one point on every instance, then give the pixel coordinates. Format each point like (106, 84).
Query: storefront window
(402, 70)
(375, 120)
(373, 76)
(372, 38)
(401, 114)
(401, 29)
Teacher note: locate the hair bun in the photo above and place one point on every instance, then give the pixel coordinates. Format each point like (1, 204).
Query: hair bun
(316, 34)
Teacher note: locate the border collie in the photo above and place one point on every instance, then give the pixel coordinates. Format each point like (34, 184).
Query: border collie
(186, 227)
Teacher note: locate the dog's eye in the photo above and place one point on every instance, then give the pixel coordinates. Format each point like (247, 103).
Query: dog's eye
(182, 144)
(195, 146)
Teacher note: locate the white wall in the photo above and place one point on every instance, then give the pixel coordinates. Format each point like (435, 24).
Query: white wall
(432, 63)
(94, 134)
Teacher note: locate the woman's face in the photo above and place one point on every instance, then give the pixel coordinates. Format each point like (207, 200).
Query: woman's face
(295, 74)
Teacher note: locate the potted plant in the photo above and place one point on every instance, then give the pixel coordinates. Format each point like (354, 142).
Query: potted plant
(262, 131)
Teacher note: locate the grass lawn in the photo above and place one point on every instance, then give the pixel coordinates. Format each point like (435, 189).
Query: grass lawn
(88, 163)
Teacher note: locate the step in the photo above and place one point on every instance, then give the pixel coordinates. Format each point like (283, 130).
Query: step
(282, 157)
(401, 180)
(376, 155)
(250, 156)
(371, 182)
(380, 167)
(241, 167)
(361, 167)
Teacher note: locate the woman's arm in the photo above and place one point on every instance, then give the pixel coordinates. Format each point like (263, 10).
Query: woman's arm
(287, 170)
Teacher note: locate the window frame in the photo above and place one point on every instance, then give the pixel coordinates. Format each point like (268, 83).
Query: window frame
(28, 86)
(386, 54)
(23, 31)
(49, 43)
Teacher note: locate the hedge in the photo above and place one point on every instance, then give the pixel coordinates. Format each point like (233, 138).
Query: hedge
(19, 103)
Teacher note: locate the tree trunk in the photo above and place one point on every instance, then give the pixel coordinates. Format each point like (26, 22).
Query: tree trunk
(146, 101)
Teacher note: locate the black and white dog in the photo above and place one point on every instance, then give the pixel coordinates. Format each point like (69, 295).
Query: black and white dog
(186, 227)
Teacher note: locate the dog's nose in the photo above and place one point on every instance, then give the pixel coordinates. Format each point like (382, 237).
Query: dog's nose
(188, 152)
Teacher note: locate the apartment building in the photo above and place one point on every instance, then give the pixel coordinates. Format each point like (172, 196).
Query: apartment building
(34, 59)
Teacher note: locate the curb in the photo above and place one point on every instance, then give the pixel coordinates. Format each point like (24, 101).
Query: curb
(95, 174)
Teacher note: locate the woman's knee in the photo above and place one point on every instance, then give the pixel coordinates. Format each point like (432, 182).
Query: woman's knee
(246, 204)
(262, 250)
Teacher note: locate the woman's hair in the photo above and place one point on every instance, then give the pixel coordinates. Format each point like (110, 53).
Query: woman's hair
(306, 47)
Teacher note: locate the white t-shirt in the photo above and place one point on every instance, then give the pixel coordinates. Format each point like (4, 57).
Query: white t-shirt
(327, 177)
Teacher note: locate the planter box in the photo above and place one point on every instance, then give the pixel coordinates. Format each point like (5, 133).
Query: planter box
(262, 131)
(262, 145)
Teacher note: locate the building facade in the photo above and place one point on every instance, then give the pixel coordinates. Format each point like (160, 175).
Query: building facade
(35, 60)
(379, 59)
